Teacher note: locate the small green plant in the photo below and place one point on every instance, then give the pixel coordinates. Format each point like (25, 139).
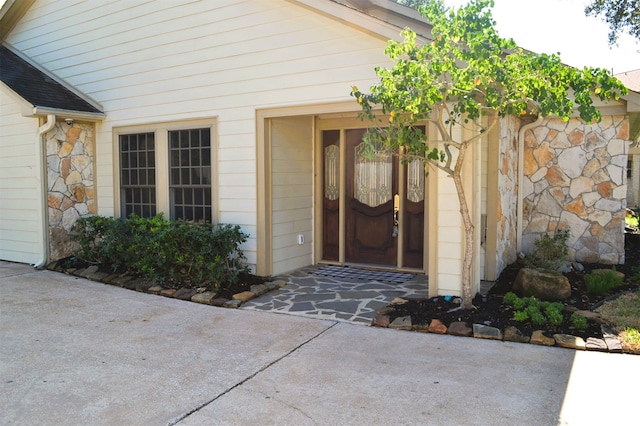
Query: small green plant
(603, 282)
(521, 316)
(538, 318)
(554, 315)
(633, 335)
(630, 340)
(579, 322)
(510, 298)
(530, 308)
(551, 252)
(632, 221)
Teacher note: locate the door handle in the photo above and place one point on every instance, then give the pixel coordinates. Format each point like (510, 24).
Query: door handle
(396, 208)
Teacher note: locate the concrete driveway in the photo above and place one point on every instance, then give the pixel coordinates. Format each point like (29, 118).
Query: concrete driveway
(77, 352)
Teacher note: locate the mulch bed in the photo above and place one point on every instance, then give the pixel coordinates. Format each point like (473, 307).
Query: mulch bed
(490, 310)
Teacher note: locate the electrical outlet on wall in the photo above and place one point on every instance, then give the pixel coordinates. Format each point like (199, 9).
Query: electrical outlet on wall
(300, 239)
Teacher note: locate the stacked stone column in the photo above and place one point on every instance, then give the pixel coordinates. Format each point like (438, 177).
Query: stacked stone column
(575, 178)
(70, 182)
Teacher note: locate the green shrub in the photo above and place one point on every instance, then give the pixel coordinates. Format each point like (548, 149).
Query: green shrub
(603, 282)
(509, 298)
(521, 316)
(538, 312)
(551, 252)
(99, 240)
(521, 304)
(579, 322)
(174, 253)
(553, 311)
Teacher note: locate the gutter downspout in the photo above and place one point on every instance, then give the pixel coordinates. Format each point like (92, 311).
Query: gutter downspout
(42, 189)
(521, 133)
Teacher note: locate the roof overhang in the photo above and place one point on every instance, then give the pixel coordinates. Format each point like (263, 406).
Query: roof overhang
(66, 114)
(11, 13)
(29, 110)
(384, 19)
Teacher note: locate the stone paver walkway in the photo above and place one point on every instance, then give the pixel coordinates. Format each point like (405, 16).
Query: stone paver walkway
(336, 298)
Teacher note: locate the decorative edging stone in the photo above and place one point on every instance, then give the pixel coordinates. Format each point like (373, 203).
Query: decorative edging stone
(200, 295)
(609, 343)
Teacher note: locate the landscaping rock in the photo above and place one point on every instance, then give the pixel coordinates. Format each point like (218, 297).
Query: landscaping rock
(259, 289)
(398, 301)
(156, 289)
(184, 293)
(381, 320)
(594, 344)
(401, 323)
(436, 326)
(569, 341)
(512, 334)
(565, 268)
(109, 279)
(233, 304)
(537, 338)
(122, 280)
(543, 284)
(168, 292)
(272, 285)
(88, 270)
(219, 302)
(91, 273)
(460, 328)
(420, 328)
(591, 316)
(244, 296)
(204, 298)
(143, 285)
(577, 266)
(485, 332)
(611, 339)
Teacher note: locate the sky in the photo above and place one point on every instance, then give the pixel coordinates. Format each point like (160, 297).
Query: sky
(560, 26)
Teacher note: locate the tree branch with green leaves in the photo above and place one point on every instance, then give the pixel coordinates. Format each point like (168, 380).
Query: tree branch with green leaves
(463, 75)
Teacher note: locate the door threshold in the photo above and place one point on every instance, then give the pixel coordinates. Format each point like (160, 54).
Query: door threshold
(372, 267)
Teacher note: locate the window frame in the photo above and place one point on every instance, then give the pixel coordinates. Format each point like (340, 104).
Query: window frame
(162, 163)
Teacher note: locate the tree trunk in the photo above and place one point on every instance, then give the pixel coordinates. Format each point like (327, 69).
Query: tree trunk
(469, 236)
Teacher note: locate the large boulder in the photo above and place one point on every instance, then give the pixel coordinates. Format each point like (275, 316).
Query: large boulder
(542, 284)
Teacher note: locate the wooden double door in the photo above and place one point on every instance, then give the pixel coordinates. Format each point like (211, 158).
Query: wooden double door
(373, 206)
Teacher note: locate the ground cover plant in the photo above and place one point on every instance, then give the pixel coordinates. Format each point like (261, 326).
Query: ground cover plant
(602, 281)
(172, 253)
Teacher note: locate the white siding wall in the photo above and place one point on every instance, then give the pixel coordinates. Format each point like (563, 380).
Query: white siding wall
(20, 202)
(164, 60)
(450, 234)
(292, 192)
(483, 148)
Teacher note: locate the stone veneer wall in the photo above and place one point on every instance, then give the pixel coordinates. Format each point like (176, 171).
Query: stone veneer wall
(575, 178)
(70, 182)
(507, 194)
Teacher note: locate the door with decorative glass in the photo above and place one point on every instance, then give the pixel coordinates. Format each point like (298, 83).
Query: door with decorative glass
(382, 213)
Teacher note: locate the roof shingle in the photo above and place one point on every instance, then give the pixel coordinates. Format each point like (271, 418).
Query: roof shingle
(36, 87)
